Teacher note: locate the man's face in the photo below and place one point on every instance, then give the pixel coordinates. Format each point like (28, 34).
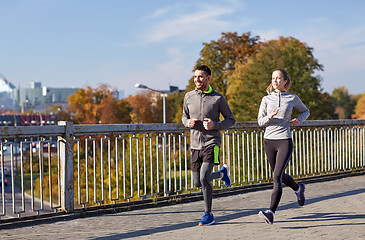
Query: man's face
(201, 80)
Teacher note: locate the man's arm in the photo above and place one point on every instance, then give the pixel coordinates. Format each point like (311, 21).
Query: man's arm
(186, 120)
(229, 119)
(185, 114)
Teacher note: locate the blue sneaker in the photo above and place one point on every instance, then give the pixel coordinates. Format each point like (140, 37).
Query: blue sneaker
(226, 178)
(207, 219)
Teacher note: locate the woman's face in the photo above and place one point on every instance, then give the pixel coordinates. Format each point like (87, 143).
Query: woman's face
(277, 81)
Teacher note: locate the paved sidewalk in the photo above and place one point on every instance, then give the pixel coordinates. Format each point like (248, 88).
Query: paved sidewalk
(333, 210)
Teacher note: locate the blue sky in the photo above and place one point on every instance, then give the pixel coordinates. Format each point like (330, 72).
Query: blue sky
(80, 43)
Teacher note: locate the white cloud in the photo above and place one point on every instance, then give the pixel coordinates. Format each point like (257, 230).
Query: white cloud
(158, 13)
(268, 35)
(191, 26)
(174, 69)
(341, 50)
(338, 48)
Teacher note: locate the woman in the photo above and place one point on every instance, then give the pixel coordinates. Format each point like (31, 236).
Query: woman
(274, 114)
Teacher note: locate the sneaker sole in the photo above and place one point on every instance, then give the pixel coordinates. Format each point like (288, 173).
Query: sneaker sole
(201, 224)
(302, 201)
(228, 174)
(261, 215)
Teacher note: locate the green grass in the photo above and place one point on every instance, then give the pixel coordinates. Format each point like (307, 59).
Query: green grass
(27, 178)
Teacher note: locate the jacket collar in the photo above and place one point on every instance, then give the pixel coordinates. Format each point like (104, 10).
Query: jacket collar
(210, 90)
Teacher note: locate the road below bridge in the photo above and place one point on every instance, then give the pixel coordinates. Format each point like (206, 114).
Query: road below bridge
(333, 210)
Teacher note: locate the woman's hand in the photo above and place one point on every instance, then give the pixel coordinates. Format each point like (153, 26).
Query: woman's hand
(273, 113)
(295, 121)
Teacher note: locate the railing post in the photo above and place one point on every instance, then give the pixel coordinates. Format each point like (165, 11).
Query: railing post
(66, 167)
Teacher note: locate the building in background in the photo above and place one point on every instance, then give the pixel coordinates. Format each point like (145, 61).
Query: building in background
(37, 97)
(120, 95)
(40, 98)
(6, 94)
(174, 89)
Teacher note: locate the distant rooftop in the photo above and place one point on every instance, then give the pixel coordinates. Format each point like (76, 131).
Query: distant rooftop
(5, 84)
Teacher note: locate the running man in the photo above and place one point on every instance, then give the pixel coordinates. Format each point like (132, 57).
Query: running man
(202, 109)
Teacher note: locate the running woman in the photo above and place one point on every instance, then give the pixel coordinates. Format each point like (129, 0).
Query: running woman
(274, 114)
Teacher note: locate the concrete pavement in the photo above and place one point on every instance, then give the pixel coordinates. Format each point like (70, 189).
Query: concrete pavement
(333, 210)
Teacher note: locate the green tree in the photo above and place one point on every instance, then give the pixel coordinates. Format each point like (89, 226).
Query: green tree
(343, 102)
(174, 106)
(222, 56)
(247, 85)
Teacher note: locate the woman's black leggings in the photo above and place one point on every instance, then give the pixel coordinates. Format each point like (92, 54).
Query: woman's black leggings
(278, 153)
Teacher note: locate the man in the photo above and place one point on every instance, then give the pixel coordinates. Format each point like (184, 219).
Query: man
(201, 112)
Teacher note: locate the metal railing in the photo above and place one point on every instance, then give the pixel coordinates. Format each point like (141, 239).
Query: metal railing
(68, 167)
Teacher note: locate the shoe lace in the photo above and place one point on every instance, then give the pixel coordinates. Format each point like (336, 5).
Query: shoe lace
(269, 212)
(205, 217)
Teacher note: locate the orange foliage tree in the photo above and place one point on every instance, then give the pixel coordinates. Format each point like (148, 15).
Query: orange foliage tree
(360, 108)
(97, 106)
(146, 107)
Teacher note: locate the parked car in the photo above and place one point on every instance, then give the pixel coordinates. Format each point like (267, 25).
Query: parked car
(5, 151)
(5, 181)
(7, 171)
(53, 146)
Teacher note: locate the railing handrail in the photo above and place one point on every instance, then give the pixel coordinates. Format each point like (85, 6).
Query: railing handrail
(82, 129)
(31, 131)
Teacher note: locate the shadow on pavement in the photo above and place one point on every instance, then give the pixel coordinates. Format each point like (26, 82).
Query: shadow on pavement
(325, 217)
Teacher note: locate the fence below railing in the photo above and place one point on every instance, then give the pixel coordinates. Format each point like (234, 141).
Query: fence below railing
(68, 167)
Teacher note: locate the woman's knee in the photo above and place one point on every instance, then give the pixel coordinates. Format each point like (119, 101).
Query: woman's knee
(277, 179)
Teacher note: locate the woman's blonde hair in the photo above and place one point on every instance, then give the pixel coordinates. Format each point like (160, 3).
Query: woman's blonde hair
(269, 89)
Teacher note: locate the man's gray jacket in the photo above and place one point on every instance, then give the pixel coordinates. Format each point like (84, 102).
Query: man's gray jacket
(200, 105)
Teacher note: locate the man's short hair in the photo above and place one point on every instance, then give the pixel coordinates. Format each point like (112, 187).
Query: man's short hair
(204, 68)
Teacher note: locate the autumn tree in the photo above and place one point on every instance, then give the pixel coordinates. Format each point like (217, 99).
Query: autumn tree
(247, 84)
(146, 107)
(222, 56)
(58, 110)
(174, 106)
(360, 107)
(97, 106)
(343, 102)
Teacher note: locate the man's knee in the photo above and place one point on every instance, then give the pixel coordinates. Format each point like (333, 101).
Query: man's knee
(197, 183)
(204, 181)
(196, 179)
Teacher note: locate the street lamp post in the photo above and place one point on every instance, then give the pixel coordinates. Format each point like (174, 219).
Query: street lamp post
(138, 85)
